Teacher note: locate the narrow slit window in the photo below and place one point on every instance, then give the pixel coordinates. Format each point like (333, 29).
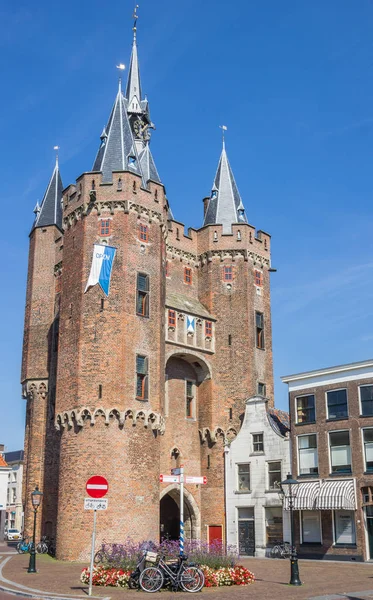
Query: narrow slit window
(141, 377)
(143, 232)
(188, 275)
(171, 318)
(167, 268)
(259, 330)
(208, 329)
(228, 273)
(142, 299)
(189, 392)
(104, 227)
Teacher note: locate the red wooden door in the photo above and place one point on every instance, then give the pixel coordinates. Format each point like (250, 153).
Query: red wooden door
(215, 533)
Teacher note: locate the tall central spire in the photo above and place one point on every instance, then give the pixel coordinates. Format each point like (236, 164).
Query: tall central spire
(225, 205)
(133, 89)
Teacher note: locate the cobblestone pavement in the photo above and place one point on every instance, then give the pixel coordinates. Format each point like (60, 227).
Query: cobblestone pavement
(322, 580)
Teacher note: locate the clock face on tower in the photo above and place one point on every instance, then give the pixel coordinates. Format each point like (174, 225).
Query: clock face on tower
(138, 127)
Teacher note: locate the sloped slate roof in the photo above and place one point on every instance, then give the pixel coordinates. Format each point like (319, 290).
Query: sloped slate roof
(280, 421)
(187, 305)
(147, 164)
(225, 205)
(50, 212)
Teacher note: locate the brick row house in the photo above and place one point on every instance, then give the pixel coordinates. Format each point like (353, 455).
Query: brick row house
(331, 413)
(131, 381)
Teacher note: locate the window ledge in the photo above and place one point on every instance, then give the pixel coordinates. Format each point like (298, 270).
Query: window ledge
(337, 419)
(261, 453)
(368, 472)
(242, 492)
(305, 423)
(344, 546)
(365, 416)
(273, 491)
(340, 473)
(308, 544)
(308, 475)
(257, 347)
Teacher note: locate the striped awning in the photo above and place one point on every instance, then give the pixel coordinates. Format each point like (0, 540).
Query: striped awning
(337, 495)
(305, 496)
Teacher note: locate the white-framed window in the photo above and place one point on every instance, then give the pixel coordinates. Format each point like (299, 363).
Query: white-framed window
(258, 442)
(274, 475)
(366, 400)
(368, 449)
(307, 454)
(340, 451)
(311, 527)
(336, 402)
(305, 409)
(344, 527)
(243, 477)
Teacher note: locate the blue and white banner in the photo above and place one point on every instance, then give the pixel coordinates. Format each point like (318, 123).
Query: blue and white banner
(102, 263)
(191, 324)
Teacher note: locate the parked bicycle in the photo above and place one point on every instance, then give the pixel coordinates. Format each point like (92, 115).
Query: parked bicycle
(43, 546)
(281, 550)
(24, 546)
(147, 557)
(177, 575)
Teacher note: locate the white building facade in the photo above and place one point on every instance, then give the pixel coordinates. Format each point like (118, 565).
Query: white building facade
(255, 462)
(14, 507)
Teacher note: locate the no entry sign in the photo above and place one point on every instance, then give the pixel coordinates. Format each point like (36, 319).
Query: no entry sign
(97, 486)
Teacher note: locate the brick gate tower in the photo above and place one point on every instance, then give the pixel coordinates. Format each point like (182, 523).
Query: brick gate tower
(155, 373)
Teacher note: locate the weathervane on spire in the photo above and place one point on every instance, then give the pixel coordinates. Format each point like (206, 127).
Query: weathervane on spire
(223, 128)
(135, 16)
(56, 148)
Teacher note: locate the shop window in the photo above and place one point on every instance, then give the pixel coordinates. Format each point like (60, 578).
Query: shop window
(141, 377)
(311, 527)
(305, 409)
(307, 449)
(344, 527)
(337, 404)
(104, 227)
(243, 476)
(366, 400)
(258, 442)
(188, 275)
(142, 299)
(340, 451)
(274, 475)
(259, 330)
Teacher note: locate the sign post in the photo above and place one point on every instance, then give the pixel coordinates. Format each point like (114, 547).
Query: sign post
(96, 487)
(177, 476)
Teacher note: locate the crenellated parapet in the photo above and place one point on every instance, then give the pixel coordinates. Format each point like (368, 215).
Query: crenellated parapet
(78, 417)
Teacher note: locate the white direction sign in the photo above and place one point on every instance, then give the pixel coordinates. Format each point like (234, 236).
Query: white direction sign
(95, 503)
(169, 478)
(191, 479)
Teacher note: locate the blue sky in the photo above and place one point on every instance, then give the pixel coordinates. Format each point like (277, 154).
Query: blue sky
(293, 81)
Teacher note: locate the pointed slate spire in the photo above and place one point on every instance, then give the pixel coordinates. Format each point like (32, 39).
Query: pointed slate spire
(117, 150)
(225, 205)
(50, 210)
(133, 89)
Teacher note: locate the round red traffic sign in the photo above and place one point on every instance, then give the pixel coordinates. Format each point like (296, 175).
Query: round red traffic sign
(97, 486)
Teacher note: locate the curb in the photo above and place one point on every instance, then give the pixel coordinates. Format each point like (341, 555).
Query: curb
(32, 593)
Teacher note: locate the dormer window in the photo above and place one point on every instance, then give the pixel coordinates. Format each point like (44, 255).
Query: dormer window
(214, 193)
(132, 161)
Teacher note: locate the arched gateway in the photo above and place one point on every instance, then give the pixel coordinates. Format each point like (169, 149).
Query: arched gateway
(170, 515)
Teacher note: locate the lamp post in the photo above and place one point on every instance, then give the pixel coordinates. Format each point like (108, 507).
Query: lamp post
(36, 497)
(288, 492)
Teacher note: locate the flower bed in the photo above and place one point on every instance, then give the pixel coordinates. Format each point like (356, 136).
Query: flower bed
(237, 575)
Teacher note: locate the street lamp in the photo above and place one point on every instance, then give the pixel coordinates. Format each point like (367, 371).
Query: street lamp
(288, 493)
(36, 497)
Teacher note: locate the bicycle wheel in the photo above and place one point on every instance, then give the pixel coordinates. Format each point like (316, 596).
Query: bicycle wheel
(44, 548)
(133, 583)
(276, 552)
(151, 579)
(192, 579)
(98, 557)
(39, 548)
